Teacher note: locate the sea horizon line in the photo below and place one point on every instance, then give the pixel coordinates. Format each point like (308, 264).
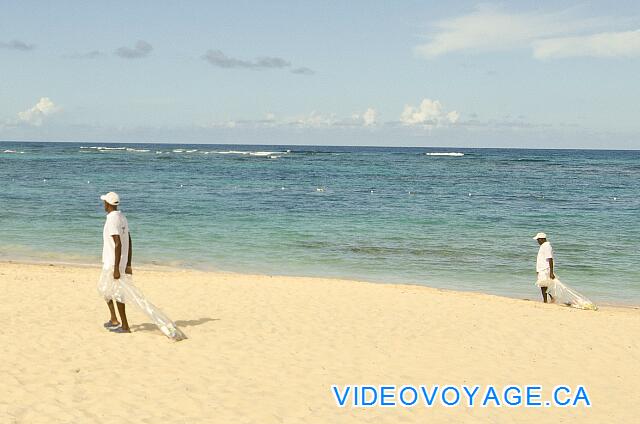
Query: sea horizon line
(326, 145)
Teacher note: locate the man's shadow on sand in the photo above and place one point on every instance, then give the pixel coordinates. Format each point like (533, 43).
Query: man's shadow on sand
(147, 326)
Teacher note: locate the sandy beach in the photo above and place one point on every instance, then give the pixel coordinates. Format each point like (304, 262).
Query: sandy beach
(267, 349)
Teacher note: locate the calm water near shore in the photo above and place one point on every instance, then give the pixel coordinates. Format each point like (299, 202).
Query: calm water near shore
(445, 217)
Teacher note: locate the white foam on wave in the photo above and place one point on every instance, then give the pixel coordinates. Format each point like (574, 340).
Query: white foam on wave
(264, 154)
(232, 152)
(184, 150)
(107, 149)
(444, 154)
(101, 148)
(271, 155)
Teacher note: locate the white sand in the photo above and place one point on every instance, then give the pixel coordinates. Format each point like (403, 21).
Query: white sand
(267, 350)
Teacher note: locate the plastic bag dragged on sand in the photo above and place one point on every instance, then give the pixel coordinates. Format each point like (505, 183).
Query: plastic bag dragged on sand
(565, 295)
(124, 291)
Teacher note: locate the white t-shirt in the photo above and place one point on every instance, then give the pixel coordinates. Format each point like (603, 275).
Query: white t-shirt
(116, 224)
(545, 253)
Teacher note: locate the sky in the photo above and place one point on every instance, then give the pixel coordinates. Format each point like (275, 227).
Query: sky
(531, 74)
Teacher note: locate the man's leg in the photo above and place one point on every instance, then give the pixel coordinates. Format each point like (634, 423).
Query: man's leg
(112, 310)
(123, 317)
(544, 294)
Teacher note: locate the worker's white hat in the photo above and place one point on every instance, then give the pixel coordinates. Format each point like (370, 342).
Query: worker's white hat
(111, 198)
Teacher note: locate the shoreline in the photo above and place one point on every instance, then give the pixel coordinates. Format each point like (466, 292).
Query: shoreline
(220, 272)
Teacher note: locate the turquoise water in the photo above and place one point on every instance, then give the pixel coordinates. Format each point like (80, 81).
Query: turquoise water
(462, 222)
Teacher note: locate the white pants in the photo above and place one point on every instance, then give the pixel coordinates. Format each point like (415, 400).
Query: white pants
(544, 278)
(111, 289)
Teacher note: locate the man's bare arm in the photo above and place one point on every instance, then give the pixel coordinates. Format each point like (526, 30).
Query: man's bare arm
(128, 270)
(116, 268)
(551, 274)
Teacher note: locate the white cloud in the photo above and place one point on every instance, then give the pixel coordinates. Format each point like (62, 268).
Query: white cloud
(369, 117)
(315, 120)
(488, 29)
(429, 113)
(36, 115)
(453, 116)
(606, 44)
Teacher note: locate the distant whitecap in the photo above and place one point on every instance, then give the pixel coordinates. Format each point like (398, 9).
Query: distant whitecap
(444, 154)
(270, 155)
(232, 152)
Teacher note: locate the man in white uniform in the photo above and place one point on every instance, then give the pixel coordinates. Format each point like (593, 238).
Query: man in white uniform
(544, 265)
(116, 261)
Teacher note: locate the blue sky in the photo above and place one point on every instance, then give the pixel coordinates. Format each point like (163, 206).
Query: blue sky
(402, 73)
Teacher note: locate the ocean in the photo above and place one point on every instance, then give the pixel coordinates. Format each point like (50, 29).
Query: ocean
(454, 218)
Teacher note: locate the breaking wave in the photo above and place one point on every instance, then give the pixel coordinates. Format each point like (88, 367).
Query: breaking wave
(444, 154)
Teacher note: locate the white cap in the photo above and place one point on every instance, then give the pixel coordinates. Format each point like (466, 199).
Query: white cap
(111, 198)
(539, 236)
